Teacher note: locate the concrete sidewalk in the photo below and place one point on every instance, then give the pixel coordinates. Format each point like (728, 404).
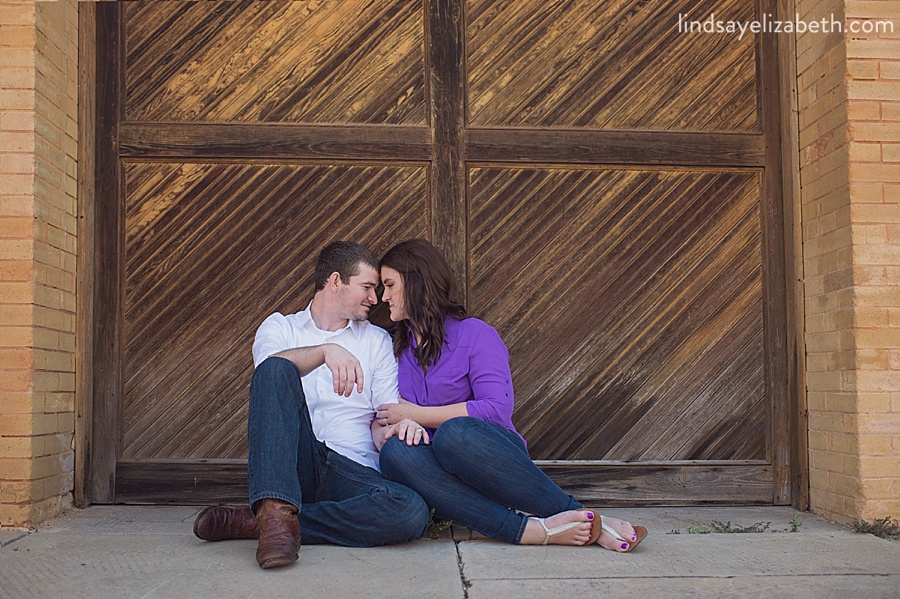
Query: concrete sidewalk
(130, 551)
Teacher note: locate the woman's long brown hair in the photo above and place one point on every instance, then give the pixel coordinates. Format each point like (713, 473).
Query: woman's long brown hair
(429, 293)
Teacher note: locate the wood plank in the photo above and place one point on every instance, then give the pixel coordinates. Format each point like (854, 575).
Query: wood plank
(260, 142)
(774, 265)
(597, 147)
(793, 275)
(201, 482)
(447, 93)
(84, 282)
(108, 260)
(664, 483)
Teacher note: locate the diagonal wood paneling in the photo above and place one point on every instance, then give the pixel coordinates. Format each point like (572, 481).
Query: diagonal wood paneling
(211, 249)
(620, 64)
(632, 304)
(337, 61)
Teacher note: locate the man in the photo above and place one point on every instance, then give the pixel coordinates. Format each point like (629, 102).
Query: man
(312, 461)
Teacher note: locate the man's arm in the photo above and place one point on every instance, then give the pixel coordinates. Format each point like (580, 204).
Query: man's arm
(346, 370)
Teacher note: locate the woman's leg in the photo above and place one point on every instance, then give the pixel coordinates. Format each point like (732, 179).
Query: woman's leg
(493, 460)
(452, 499)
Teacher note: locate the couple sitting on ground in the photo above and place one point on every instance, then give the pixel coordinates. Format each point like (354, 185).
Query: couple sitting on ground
(352, 438)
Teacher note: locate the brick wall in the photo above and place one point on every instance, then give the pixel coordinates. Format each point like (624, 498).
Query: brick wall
(38, 152)
(848, 86)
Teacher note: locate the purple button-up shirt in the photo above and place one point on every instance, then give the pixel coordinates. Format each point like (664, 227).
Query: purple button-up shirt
(473, 367)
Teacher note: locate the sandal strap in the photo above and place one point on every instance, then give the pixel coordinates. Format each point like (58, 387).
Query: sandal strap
(549, 532)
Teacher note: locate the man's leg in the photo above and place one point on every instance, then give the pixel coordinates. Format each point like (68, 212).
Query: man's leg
(452, 499)
(282, 459)
(357, 507)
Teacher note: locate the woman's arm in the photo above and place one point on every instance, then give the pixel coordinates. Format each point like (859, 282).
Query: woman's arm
(430, 416)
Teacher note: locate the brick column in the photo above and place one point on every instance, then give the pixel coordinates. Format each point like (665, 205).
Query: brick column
(848, 86)
(38, 160)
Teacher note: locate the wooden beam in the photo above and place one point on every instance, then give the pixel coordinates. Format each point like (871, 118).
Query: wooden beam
(199, 482)
(258, 142)
(610, 147)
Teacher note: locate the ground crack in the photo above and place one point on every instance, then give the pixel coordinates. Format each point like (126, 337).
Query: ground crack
(466, 583)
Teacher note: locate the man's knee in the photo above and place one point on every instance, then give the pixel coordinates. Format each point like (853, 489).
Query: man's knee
(395, 458)
(411, 515)
(274, 367)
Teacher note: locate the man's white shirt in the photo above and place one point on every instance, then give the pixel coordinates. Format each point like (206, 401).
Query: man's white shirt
(342, 423)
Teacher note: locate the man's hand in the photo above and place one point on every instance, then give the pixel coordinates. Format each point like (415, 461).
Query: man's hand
(346, 370)
(392, 413)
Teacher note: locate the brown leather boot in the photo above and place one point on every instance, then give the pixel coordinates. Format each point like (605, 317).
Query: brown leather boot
(279, 533)
(220, 523)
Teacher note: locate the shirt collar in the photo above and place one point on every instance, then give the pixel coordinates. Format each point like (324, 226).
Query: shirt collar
(306, 319)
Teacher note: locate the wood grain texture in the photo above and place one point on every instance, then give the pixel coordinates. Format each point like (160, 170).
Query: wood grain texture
(632, 305)
(211, 250)
(618, 64)
(276, 61)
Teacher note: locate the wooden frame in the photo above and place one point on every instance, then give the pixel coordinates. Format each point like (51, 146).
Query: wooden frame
(453, 148)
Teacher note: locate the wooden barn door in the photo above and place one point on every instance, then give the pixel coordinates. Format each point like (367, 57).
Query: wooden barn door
(606, 187)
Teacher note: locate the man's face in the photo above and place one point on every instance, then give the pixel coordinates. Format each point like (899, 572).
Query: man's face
(357, 296)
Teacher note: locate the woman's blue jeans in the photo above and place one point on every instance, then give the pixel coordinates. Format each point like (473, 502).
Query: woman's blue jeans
(339, 500)
(477, 474)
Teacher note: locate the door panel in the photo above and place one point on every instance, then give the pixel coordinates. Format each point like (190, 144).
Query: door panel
(632, 301)
(310, 62)
(209, 249)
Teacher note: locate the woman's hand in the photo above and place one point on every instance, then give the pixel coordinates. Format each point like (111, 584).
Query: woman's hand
(392, 413)
(407, 430)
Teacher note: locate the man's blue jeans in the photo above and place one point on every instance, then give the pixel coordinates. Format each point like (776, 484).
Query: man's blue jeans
(477, 474)
(339, 500)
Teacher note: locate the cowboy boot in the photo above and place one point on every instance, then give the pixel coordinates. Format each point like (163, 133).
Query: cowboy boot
(221, 523)
(279, 533)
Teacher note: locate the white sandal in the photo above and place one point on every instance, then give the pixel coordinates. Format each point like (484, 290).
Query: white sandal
(639, 531)
(550, 532)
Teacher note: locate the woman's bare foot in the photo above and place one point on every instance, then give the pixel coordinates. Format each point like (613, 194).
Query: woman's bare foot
(574, 528)
(623, 529)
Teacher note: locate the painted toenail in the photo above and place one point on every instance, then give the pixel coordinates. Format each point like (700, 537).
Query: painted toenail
(590, 515)
(624, 545)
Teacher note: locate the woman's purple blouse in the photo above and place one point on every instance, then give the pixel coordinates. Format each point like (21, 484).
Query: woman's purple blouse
(473, 367)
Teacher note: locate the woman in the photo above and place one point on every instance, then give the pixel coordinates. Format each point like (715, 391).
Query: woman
(475, 470)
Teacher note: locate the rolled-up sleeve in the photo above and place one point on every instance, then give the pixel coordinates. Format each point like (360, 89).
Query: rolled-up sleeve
(272, 336)
(384, 373)
(491, 380)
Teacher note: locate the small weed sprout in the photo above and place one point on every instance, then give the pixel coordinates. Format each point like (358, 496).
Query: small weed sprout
(795, 523)
(436, 527)
(697, 528)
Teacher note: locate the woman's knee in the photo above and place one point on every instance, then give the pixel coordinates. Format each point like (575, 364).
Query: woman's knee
(454, 435)
(397, 459)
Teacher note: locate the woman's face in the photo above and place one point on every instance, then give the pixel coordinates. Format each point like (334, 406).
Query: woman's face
(393, 293)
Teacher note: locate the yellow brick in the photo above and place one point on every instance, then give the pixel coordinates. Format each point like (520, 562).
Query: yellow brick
(16, 468)
(890, 111)
(865, 152)
(879, 466)
(842, 484)
(875, 445)
(16, 447)
(877, 131)
(877, 489)
(20, 491)
(875, 213)
(862, 69)
(891, 152)
(864, 171)
(876, 254)
(17, 402)
(864, 110)
(878, 380)
(872, 48)
(16, 380)
(874, 402)
(16, 270)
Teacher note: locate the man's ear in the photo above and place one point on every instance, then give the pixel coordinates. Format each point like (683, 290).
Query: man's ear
(334, 280)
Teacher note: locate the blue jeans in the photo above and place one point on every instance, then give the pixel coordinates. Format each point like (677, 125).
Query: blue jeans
(477, 474)
(339, 500)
